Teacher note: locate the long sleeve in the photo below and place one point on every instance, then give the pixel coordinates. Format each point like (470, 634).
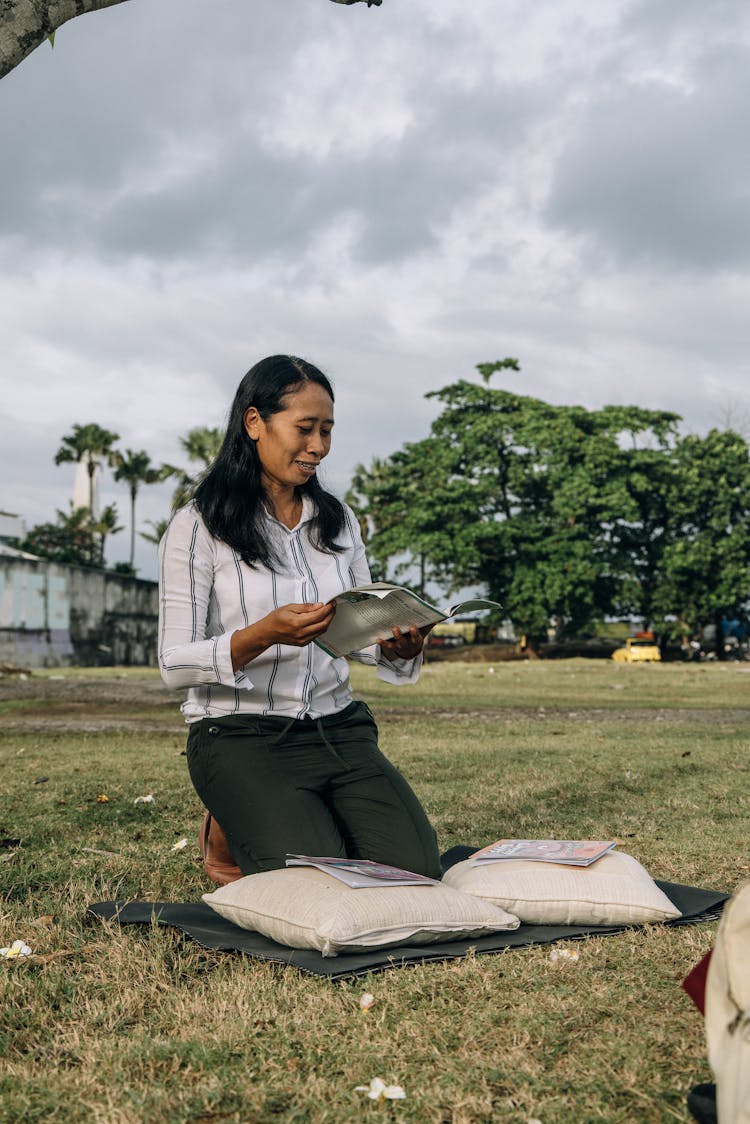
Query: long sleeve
(206, 593)
(190, 652)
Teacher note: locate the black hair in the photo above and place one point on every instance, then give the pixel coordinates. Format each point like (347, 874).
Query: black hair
(230, 495)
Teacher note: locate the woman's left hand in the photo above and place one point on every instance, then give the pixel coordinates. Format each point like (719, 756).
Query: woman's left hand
(403, 645)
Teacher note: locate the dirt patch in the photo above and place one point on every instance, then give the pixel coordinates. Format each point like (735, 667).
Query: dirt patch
(81, 691)
(145, 705)
(474, 653)
(89, 705)
(529, 714)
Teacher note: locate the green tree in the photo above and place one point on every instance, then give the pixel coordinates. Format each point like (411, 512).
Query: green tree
(707, 557)
(135, 469)
(70, 540)
(158, 527)
(533, 501)
(104, 526)
(201, 446)
(644, 476)
(402, 530)
(75, 538)
(90, 444)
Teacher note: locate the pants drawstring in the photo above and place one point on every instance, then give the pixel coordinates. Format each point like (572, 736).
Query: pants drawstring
(327, 744)
(285, 730)
(318, 723)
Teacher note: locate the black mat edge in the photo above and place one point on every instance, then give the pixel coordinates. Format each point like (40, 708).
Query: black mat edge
(198, 921)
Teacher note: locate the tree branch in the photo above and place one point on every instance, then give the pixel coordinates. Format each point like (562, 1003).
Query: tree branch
(25, 24)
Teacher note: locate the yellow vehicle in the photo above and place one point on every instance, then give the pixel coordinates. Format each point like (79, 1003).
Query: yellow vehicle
(637, 650)
(453, 633)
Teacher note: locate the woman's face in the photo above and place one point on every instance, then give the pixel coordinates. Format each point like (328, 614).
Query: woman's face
(293, 442)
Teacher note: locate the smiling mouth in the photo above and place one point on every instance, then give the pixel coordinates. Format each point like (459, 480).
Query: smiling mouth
(307, 466)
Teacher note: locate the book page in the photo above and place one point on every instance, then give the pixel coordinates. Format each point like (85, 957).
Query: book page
(371, 611)
(472, 605)
(375, 589)
(358, 624)
(399, 605)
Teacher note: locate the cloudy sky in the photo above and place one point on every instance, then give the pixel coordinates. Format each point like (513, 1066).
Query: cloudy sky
(396, 193)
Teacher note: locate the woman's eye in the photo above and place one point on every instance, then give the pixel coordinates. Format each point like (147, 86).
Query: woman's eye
(303, 429)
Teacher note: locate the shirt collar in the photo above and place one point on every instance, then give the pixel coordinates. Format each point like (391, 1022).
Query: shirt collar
(309, 510)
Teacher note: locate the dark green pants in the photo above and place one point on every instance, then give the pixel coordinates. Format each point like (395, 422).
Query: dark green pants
(313, 787)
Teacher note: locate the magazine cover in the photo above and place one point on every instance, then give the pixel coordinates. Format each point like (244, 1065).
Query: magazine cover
(568, 852)
(361, 873)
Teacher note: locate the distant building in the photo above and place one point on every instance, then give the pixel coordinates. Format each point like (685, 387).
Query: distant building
(12, 528)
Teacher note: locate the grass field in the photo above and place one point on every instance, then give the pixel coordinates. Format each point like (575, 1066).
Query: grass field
(143, 1025)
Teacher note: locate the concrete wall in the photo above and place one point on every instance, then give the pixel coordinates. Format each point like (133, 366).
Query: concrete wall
(53, 615)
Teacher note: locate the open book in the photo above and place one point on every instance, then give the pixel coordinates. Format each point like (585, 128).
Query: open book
(361, 873)
(372, 611)
(567, 852)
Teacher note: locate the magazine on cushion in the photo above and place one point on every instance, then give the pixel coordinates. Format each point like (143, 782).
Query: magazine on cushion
(362, 873)
(566, 852)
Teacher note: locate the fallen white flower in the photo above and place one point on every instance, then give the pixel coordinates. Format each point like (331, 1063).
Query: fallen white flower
(377, 1090)
(180, 845)
(366, 1000)
(15, 951)
(144, 799)
(563, 954)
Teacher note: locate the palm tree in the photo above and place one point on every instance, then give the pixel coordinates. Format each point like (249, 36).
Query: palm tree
(135, 468)
(201, 445)
(105, 525)
(155, 535)
(69, 540)
(87, 443)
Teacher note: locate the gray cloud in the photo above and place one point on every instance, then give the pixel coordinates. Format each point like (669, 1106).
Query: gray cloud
(397, 194)
(251, 202)
(170, 170)
(653, 25)
(659, 174)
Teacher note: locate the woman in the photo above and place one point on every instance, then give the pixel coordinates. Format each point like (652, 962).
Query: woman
(278, 751)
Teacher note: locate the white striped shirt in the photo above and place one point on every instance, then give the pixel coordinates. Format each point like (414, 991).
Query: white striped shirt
(206, 592)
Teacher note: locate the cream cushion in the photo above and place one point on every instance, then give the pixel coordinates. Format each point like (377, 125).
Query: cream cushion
(305, 908)
(615, 890)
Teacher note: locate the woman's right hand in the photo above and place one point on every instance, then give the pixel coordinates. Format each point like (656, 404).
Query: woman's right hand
(297, 625)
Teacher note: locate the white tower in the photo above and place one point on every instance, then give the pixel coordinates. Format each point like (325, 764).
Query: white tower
(81, 488)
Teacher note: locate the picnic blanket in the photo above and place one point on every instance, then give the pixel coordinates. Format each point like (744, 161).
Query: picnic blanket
(198, 921)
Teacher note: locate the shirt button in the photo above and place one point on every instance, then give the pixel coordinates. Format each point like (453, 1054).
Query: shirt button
(213, 731)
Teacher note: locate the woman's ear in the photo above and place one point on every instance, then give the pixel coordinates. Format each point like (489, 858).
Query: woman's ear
(252, 423)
